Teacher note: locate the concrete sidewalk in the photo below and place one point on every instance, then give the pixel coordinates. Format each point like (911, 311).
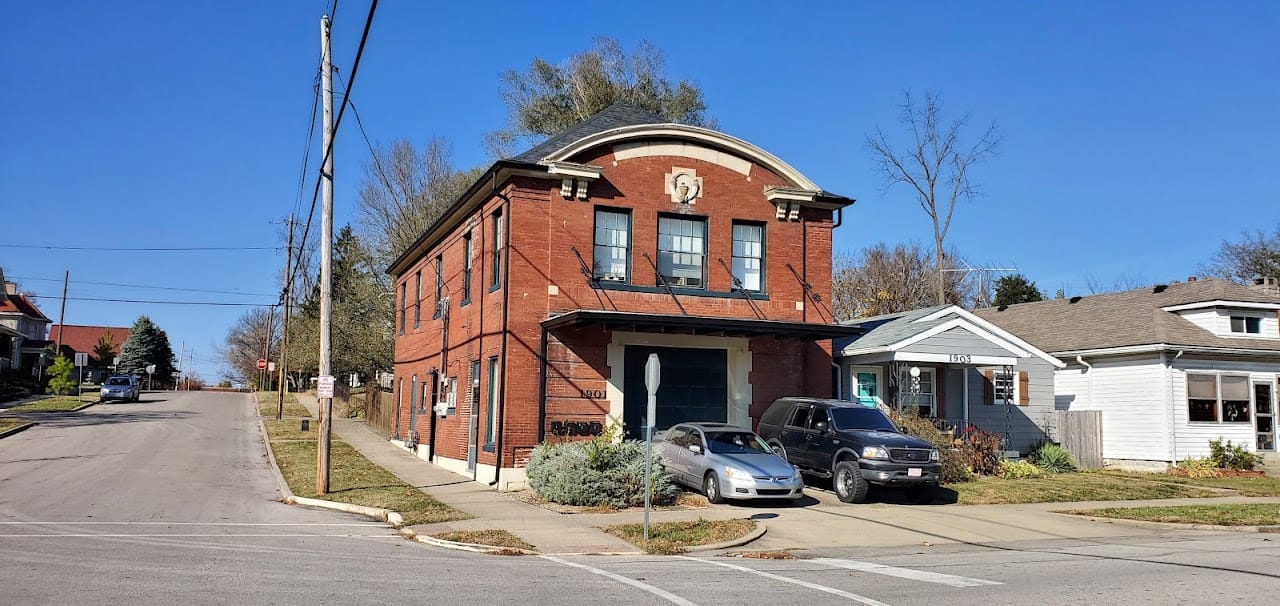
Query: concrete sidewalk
(817, 521)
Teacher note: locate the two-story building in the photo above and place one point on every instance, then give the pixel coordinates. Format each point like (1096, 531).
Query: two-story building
(22, 332)
(528, 311)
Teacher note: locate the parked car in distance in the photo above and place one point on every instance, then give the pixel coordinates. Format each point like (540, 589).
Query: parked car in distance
(727, 462)
(853, 444)
(121, 387)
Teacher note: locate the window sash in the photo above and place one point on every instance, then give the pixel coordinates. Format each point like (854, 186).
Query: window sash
(497, 249)
(466, 267)
(417, 308)
(611, 254)
(682, 251)
(748, 255)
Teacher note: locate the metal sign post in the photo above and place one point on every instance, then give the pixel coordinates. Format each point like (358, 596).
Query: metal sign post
(82, 360)
(652, 378)
(151, 368)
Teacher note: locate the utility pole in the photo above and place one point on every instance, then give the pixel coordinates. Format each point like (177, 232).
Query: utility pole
(266, 349)
(62, 325)
(326, 256)
(181, 352)
(284, 331)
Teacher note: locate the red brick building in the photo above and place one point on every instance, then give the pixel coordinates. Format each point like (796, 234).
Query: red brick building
(530, 307)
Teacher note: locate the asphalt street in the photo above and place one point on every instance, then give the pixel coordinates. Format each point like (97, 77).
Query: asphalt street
(171, 501)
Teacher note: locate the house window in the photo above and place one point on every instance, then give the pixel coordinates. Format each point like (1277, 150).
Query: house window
(612, 254)
(748, 255)
(417, 308)
(682, 248)
(439, 284)
(1214, 397)
(466, 268)
(492, 403)
(1251, 325)
(1004, 389)
(404, 301)
(497, 251)
(920, 396)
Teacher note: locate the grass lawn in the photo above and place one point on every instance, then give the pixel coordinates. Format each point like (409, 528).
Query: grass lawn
(6, 424)
(494, 537)
(675, 537)
(268, 403)
(1260, 514)
(1246, 487)
(54, 404)
(352, 478)
(1069, 487)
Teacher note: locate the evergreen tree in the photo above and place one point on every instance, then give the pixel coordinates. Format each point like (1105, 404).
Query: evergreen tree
(60, 380)
(147, 344)
(105, 350)
(1014, 289)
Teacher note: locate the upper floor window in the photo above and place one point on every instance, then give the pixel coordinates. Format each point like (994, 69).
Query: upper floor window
(1251, 325)
(404, 302)
(682, 250)
(496, 274)
(417, 308)
(467, 251)
(748, 255)
(439, 284)
(611, 257)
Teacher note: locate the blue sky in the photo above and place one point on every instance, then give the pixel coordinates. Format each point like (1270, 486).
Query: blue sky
(1136, 135)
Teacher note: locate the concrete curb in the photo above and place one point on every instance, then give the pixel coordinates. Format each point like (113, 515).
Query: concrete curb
(21, 428)
(84, 406)
(281, 484)
(747, 538)
(409, 533)
(1177, 525)
(378, 513)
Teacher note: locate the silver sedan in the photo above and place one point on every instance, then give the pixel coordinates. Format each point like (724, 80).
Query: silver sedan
(727, 462)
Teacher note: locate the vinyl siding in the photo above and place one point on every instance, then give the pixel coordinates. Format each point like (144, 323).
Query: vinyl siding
(1218, 321)
(957, 341)
(1028, 424)
(1132, 395)
(1193, 438)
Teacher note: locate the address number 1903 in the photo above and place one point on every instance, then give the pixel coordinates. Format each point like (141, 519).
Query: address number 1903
(960, 358)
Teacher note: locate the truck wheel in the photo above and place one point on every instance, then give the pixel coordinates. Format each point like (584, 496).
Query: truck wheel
(848, 482)
(711, 488)
(922, 494)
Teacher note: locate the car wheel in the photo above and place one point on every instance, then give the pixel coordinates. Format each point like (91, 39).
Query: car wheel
(711, 488)
(922, 494)
(779, 449)
(848, 482)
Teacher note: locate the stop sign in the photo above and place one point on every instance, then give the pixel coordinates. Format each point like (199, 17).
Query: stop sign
(261, 363)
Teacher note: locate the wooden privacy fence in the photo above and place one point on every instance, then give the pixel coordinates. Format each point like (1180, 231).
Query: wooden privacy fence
(1080, 432)
(379, 410)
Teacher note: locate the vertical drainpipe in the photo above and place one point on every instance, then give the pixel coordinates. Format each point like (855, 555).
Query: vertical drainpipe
(542, 386)
(506, 303)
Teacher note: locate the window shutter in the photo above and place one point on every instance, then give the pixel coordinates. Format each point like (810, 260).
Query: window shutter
(1024, 390)
(988, 387)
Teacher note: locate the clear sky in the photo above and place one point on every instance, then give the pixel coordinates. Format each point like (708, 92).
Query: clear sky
(1135, 134)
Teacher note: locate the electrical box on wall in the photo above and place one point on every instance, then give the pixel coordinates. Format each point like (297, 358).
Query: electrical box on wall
(447, 403)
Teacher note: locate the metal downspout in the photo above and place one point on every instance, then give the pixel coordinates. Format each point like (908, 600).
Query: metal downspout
(542, 386)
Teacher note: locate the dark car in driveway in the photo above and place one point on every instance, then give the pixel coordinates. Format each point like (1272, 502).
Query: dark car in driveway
(853, 444)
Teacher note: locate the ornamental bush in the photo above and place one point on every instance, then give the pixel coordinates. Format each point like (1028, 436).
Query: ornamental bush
(597, 472)
(1193, 467)
(1052, 458)
(1227, 456)
(1017, 470)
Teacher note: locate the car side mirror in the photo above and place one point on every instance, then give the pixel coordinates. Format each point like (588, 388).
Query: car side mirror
(694, 448)
(820, 426)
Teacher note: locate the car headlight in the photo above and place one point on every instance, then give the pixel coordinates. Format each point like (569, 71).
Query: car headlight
(933, 455)
(874, 452)
(736, 474)
(103, 391)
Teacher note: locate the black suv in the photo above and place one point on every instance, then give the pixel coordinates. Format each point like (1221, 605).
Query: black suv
(855, 445)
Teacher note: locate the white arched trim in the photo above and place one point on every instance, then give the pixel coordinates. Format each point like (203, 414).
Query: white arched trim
(703, 136)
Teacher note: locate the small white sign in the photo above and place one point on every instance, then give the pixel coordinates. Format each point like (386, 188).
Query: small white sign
(324, 387)
(271, 366)
(82, 359)
(151, 368)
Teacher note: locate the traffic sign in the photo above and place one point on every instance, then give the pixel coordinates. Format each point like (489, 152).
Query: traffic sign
(82, 359)
(151, 368)
(261, 363)
(324, 387)
(271, 366)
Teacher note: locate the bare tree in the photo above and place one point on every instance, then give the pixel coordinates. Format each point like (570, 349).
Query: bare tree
(936, 164)
(1255, 255)
(246, 341)
(547, 98)
(880, 280)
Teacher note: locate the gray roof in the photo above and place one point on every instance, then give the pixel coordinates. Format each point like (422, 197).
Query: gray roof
(618, 115)
(890, 328)
(1127, 318)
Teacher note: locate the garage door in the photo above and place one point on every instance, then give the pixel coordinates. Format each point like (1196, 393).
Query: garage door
(695, 387)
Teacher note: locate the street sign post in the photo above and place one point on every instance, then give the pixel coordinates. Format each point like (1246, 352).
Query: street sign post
(652, 379)
(82, 360)
(151, 368)
(271, 366)
(324, 387)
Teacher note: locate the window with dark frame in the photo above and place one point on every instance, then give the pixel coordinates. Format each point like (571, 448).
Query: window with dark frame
(466, 268)
(417, 307)
(611, 257)
(682, 250)
(748, 255)
(496, 274)
(439, 284)
(404, 301)
(1251, 325)
(1235, 398)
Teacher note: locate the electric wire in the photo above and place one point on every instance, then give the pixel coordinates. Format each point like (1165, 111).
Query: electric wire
(173, 288)
(377, 162)
(106, 300)
(140, 249)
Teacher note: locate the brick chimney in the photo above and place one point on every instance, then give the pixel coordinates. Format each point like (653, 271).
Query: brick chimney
(1268, 284)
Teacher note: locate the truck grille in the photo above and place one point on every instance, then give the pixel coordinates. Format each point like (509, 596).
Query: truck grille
(912, 455)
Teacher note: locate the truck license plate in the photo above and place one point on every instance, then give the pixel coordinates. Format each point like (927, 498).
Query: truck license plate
(913, 472)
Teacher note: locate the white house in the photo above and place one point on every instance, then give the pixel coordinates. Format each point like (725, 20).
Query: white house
(1171, 367)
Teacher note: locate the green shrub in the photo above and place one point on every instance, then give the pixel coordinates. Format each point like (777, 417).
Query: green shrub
(1197, 468)
(597, 472)
(60, 380)
(1226, 456)
(1053, 458)
(1017, 470)
(954, 469)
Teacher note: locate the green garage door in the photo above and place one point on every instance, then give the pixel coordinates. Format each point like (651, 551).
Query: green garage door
(695, 387)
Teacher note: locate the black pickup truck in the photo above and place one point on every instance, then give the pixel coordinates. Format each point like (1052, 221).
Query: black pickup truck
(853, 444)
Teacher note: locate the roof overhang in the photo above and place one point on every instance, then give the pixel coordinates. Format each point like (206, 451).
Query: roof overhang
(9, 332)
(1016, 347)
(1222, 303)
(642, 322)
(1153, 348)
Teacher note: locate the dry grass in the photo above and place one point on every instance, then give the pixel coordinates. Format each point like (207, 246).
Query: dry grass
(494, 537)
(352, 478)
(6, 425)
(668, 538)
(268, 403)
(54, 404)
(768, 555)
(1261, 514)
(1071, 487)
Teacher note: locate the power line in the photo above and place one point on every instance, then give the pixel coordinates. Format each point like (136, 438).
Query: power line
(173, 288)
(355, 69)
(216, 303)
(377, 162)
(151, 249)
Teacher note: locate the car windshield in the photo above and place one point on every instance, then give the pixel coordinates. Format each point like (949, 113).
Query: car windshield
(861, 418)
(736, 442)
(117, 381)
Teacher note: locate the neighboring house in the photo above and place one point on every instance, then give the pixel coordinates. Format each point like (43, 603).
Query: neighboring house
(529, 309)
(83, 339)
(22, 332)
(968, 372)
(1170, 367)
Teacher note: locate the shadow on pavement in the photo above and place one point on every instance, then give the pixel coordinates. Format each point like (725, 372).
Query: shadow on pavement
(89, 417)
(889, 495)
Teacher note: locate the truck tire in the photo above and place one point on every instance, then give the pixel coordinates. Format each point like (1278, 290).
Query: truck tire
(848, 482)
